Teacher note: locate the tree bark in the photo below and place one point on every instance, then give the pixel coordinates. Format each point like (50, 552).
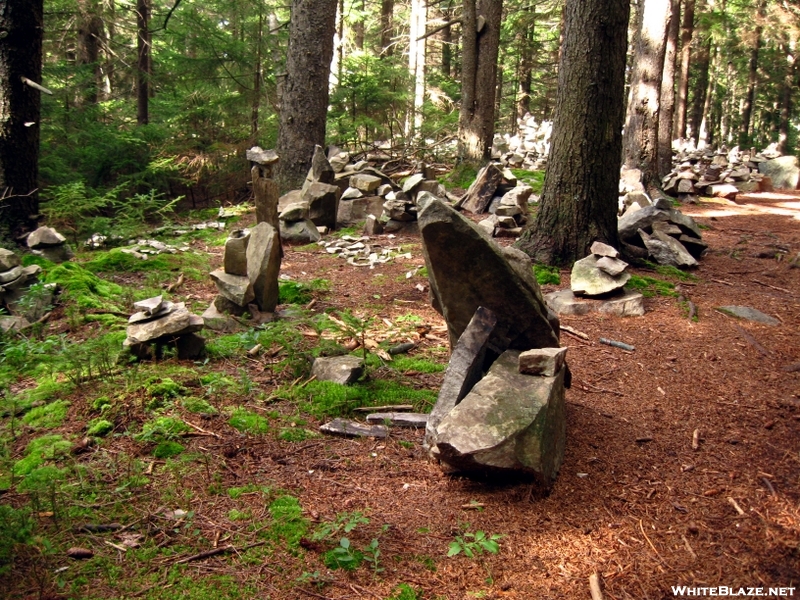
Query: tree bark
(687, 30)
(704, 133)
(304, 104)
(21, 22)
(90, 31)
(752, 78)
(579, 199)
(525, 73)
(478, 78)
(789, 83)
(640, 141)
(358, 28)
(257, 79)
(143, 62)
(417, 45)
(667, 103)
(387, 27)
(701, 64)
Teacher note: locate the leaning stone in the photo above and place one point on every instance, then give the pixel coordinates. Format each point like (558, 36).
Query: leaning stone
(687, 224)
(225, 306)
(695, 246)
(339, 162)
(545, 362)
(262, 157)
(517, 196)
(489, 224)
(351, 193)
(631, 222)
(8, 260)
(150, 305)
(349, 428)
(300, 232)
(466, 270)
(236, 288)
(396, 419)
(321, 170)
(264, 264)
(412, 182)
(365, 183)
(297, 211)
(511, 210)
(178, 322)
(509, 422)
(588, 280)
(601, 249)
(749, 314)
(668, 228)
(44, 237)
(384, 190)
(338, 369)
(372, 226)
(235, 257)
(351, 212)
(218, 321)
(292, 197)
(323, 202)
(612, 266)
(482, 190)
(666, 250)
(464, 370)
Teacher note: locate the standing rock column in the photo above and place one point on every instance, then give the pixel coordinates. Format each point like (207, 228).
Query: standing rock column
(265, 188)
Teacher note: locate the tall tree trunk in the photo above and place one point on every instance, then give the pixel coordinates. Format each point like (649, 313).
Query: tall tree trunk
(20, 107)
(387, 27)
(143, 62)
(640, 141)
(478, 78)
(789, 83)
(417, 45)
(667, 104)
(445, 37)
(752, 78)
(687, 30)
(90, 31)
(304, 105)
(358, 27)
(525, 72)
(703, 133)
(257, 79)
(701, 64)
(581, 186)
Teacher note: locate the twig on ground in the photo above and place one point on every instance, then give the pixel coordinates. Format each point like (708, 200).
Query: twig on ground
(773, 287)
(751, 340)
(216, 551)
(574, 332)
(201, 430)
(735, 505)
(696, 439)
(594, 587)
(174, 286)
(586, 385)
(663, 562)
(768, 483)
(689, 548)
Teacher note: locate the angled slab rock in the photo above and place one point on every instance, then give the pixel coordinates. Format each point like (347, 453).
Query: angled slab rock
(545, 362)
(44, 237)
(264, 264)
(338, 369)
(480, 193)
(666, 250)
(466, 270)
(235, 257)
(236, 288)
(347, 428)
(509, 422)
(399, 419)
(749, 314)
(179, 322)
(323, 202)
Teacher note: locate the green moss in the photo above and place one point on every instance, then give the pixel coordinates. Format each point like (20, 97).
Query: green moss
(32, 259)
(461, 177)
(48, 416)
(161, 429)
(547, 275)
(198, 405)
(324, 398)
(38, 451)
(86, 289)
(248, 422)
(164, 388)
(288, 522)
(535, 179)
(168, 449)
(99, 428)
(650, 286)
(295, 434)
(674, 272)
(419, 365)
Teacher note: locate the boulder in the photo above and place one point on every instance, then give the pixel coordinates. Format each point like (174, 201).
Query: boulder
(8, 260)
(518, 196)
(323, 201)
(588, 279)
(297, 211)
(412, 182)
(55, 254)
(300, 232)
(783, 171)
(627, 304)
(509, 422)
(225, 306)
(631, 222)
(44, 237)
(372, 226)
(354, 211)
(666, 250)
(235, 257)
(364, 182)
(218, 321)
(264, 264)
(546, 362)
(236, 288)
(321, 170)
(466, 270)
(482, 190)
(338, 369)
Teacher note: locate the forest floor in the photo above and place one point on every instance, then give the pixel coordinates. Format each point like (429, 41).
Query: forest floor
(636, 502)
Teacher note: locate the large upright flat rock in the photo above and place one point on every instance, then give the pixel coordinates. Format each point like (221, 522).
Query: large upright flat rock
(264, 264)
(466, 270)
(323, 201)
(235, 257)
(482, 190)
(783, 171)
(464, 370)
(508, 422)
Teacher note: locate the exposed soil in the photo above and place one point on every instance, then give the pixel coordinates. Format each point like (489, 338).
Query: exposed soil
(634, 501)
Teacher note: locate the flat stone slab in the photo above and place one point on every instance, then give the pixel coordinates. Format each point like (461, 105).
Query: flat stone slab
(398, 419)
(349, 428)
(565, 303)
(338, 369)
(749, 314)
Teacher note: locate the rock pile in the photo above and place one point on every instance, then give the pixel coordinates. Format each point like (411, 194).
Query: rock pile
(48, 243)
(359, 252)
(15, 280)
(528, 148)
(661, 233)
(159, 324)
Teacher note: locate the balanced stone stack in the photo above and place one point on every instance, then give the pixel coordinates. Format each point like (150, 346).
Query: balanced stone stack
(48, 243)
(528, 148)
(14, 282)
(662, 234)
(159, 324)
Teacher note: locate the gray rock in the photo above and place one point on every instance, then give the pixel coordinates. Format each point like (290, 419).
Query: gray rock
(351, 193)
(695, 246)
(518, 196)
(10, 275)
(178, 322)
(321, 170)
(338, 369)
(163, 311)
(299, 232)
(297, 211)
(630, 180)
(218, 321)
(55, 254)
(354, 211)
(235, 257)
(236, 288)
(545, 362)
(508, 210)
(666, 250)
(749, 314)
(398, 210)
(347, 428)
(668, 228)
(323, 201)
(601, 249)
(399, 419)
(225, 306)
(365, 183)
(783, 171)
(509, 422)
(412, 182)
(587, 279)
(467, 270)
(687, 224)
(372, 226)
(44, 237)
(432, 187)
(384, 189)
(395, 226)
(489, 224)
(150, 306)
(264, 264)
(292, 197)
(612, 266)
(8, 260)
(631, 222)
(13, 323)
(339, 162)
(190, 346)
(506, 222)
(464, 370)
(262, 157)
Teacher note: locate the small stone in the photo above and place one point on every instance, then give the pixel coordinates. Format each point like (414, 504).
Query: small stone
(235, 257)
(44, 237)
(601, 249)
(338, 369)
(351, 193)
(612, 266)
(412, 182)
(348, 428)
(150, 305)
(546, 362)
(397, 419)
(365, 183)
(8, 260)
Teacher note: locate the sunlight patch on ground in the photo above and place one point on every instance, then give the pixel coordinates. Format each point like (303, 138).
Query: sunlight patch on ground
(787, 205)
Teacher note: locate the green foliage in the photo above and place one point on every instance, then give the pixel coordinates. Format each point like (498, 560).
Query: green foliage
(343, 556)
(295, 434)
(472, 544)
(293, 292)
(168, 449)
(40, 450)
(288, 524)
(461, 177)
(164, 388)
(95, 358)
(162, 429)
(198, 405)
(248, 422)
(650, 286)
(420, 365)
(16, 528)
(674, 272)
(405, 592)
(99, 428)
(344, 523)
(546, 275)
(535, 179)
(48, 416)
(83, 287)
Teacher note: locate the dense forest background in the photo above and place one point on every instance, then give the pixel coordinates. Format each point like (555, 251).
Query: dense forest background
(161, 98)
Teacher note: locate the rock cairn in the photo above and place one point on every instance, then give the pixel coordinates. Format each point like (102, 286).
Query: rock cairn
(159, 324)
(15, 280)
(526, 149)
(48, 243)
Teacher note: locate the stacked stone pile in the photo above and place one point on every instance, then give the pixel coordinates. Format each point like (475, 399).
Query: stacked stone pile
(159, 324)
(48, 243)
(14, 282)
(528, 148)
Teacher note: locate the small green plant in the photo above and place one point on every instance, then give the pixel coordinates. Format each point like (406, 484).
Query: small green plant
(168, 449)
(547, 275)
(294, 292)
(16, 529)
(472, 544)
(345, 522)
(405, 592)
(198, 405)
(343, 556)
(288, 521)
(372, 554)
(99, 428)
(239, 515)
(248, 422)
(162, 429)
